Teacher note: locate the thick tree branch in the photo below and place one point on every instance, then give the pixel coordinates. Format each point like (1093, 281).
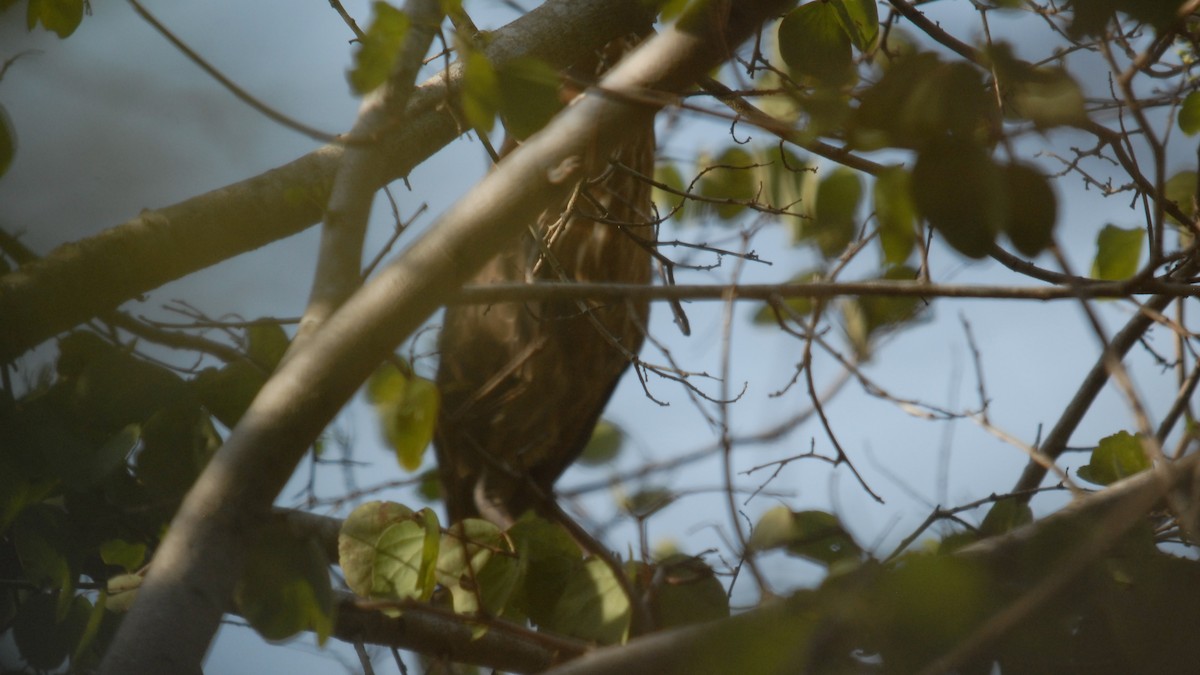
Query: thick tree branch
(339, 265)
(194, 571)
(78, 281)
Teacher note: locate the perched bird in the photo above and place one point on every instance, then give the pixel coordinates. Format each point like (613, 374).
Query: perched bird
(523, 384)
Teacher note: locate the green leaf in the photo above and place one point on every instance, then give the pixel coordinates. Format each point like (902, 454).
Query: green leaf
(358, 541)
(529, 95)
(550, 557)
(668, 174)
(787, 177)
(1117, 253)
(464, 552)
(1005, 515)
(835, 214)
(1189, 117)
(876, 123)
(814, 535)
(1046, 96)
(684, 590)
(860, 20)
(813, 43)
(267, 344)
(227, 393)
(8, 141)
(796, 307)
(407, 406)
(730, 176)
(401, 567)
(375, 55)
(46, 629)
(647, 501)
(960, 191)
(602, 448)
(896, 213)
(881, 311)
(284, 588)
(951, 97)
(480, 91)
(42, 538)
(1118, 456)
(122, 553)
(61, 17)
(1181, 189)
(1032, 209)
(593, 606)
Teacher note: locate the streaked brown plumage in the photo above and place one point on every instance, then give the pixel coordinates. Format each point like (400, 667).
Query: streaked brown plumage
(523, 384)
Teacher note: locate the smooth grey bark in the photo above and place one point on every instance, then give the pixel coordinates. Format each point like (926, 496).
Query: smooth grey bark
(84, 279)
(194, 571)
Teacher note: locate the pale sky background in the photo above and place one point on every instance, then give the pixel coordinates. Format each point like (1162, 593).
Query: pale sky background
(113, 120)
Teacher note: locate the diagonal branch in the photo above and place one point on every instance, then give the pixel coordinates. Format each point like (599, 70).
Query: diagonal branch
(78, 281)
(195, 569)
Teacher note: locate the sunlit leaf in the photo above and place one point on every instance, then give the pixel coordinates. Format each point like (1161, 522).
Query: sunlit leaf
(1118, 456)
(61, 17)
(593, 606)
(684, 590)
(123, 554)
(602, 448)
(464, 551)
(401, 569)
(1118, 251)
(813, 43)
(358, 540)
(896, 214)
(122, 591)
(285, 588)
(1032, 209)
(407, 406)
(960, 191)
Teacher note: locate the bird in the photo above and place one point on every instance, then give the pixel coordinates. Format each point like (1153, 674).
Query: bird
(523, 384)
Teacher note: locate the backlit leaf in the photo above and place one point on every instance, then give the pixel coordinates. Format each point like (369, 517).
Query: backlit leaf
(835, 214)
(814, 535)
(960, 191)
(1004, 516)
(1118, 251)
(377, 51)
(358, 540)
(407, 406)
(813, 43)
(1189, 116)
(529, 95)
(1032, 209)
(61, 17)
(730, 176)
(480, 91)
(285, 588)
(684, 590)
(1181, 189)
(603, 446)
(266, 344)
(1118, 456)
(593, 606)
(860, 20)
(896, 214)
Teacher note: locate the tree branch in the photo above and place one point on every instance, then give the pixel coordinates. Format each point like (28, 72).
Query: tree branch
(195, 569)
(78, 281)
